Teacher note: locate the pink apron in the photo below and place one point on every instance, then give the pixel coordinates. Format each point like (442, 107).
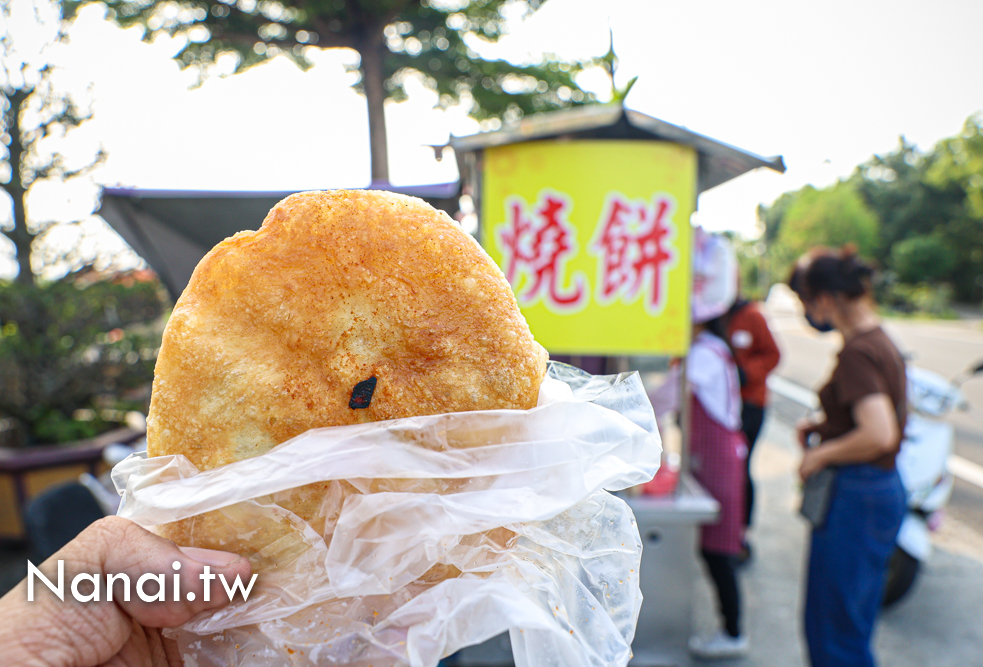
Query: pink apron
(717, 459)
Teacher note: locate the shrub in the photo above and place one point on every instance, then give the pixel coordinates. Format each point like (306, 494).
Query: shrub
(829, 217)
(921, 299)
(76, 354)
(923, 258)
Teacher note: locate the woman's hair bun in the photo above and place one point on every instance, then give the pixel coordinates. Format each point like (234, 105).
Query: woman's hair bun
(828, 271)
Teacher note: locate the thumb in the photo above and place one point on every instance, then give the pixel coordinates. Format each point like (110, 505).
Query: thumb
(122, 547)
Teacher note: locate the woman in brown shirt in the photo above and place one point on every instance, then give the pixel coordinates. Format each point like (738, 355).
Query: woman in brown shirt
(859, 436)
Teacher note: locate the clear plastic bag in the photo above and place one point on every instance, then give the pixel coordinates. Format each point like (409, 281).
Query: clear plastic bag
(463, 526)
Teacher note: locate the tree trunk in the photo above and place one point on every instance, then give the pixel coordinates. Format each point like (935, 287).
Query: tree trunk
(22, 238)
(372, 51)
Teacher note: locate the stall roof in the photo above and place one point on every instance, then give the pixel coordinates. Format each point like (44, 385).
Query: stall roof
(173, 229)
(719, 162)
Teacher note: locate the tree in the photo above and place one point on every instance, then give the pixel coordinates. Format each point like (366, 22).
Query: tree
(772, 216)
(922, 258)
(955, 168)
(895, 186)
(35, 116)
(395, 40)
(70, 349)
(931, 204)
(832, 217)
(928, 205)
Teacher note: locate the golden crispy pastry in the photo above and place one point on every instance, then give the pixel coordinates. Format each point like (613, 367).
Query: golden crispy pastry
(345, 307)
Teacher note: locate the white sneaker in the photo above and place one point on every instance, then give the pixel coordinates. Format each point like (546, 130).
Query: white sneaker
(719, 645)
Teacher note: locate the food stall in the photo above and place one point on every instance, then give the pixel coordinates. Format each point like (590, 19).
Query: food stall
(587, 212)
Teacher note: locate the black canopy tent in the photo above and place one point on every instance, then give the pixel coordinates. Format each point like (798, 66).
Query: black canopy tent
(172, 230)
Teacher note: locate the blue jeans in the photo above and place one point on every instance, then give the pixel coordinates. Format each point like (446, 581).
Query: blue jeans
(848, 563)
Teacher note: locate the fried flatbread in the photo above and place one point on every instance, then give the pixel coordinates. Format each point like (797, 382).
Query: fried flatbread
(344, 307)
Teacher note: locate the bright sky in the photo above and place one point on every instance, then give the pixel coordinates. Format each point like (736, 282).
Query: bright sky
(826, 85)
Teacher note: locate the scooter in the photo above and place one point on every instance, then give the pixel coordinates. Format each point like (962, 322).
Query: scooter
(923, 466)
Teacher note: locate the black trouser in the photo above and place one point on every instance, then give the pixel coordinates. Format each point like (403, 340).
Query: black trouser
(752, 417)
(723, 571)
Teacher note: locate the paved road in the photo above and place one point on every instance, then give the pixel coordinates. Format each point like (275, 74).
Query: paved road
(946, 347)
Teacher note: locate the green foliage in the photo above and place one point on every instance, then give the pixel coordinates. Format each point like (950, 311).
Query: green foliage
(937, 194)
(929, 207)
(922, 299)
(832, 217)
(926, 257)
(54, 426)
(75, 356)
(773, 215)
(957, 162)
(752, 266)
(395, 40)
(955, 168)
(893, 185)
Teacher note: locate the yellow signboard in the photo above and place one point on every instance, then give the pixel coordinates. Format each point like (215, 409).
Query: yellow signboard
(594, 237)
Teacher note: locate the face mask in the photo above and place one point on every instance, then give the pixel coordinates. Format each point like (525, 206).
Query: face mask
(822, 327)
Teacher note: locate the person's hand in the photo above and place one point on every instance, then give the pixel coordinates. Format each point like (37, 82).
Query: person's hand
(812, 462)
(804, 428)
(49, 632)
